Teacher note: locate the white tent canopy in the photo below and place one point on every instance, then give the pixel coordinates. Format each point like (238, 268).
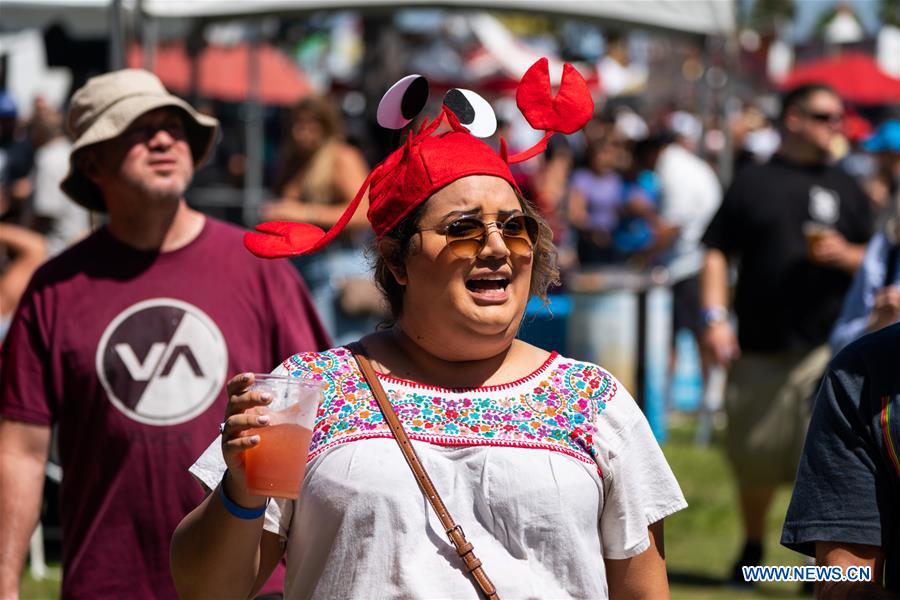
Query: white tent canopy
(694, 16)
(97, 18)
(82, 18)
(90, 17)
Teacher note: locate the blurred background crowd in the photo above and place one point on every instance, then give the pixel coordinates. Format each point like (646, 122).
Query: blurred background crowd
(686, 93)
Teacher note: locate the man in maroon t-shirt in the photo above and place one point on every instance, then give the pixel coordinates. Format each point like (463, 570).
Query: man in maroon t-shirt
(124, 342)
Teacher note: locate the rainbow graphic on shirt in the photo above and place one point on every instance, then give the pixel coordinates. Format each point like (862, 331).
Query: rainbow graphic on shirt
(886, 432)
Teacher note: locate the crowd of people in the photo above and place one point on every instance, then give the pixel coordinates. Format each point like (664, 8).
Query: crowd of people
(120, 334)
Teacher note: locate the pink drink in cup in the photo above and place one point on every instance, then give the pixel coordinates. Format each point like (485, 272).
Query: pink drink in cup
(275, 466)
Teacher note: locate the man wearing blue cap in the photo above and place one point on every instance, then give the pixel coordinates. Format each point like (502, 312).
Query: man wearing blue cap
(886, 144)
(873, 301)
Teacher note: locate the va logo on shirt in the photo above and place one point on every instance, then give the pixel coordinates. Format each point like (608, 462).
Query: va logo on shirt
(162, 361)
(824, 205)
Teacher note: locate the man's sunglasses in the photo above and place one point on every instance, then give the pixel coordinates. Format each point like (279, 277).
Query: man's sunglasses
(467, 236)
(825, 117)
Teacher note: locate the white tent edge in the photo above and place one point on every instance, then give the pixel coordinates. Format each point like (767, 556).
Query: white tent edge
(703, 17)
(699, 17)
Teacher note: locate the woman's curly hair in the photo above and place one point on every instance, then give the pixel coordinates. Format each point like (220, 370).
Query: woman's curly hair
(395, 246)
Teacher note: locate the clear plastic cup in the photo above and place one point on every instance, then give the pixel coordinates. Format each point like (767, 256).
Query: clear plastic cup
(275, 466)
(814, 231)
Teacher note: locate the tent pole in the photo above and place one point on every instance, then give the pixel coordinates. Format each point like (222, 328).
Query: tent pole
(149, 39)
(726, 156)
(116, 36)
(254, 132)
(706, 96)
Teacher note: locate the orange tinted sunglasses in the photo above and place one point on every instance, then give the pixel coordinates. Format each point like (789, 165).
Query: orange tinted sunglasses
(467, 236)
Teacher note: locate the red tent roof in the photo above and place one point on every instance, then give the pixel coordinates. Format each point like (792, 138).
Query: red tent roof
(855, 76)
(223, 73)
(856, 128)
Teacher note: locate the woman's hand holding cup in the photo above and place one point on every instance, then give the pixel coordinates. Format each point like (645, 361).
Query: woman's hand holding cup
(267, 430)
(239, 417)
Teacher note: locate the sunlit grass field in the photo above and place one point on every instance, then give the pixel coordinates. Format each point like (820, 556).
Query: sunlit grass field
(46, 589)
(703, 540)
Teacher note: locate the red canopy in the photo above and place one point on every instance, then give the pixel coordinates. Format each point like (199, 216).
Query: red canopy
(855, 76)
(856, 128)
(223, 73)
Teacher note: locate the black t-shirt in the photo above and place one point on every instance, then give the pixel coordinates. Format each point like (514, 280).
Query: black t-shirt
(783, 301)
(848, 483)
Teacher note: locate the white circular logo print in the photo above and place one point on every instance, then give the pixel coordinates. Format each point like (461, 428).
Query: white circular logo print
(162, 361)
(824, 205)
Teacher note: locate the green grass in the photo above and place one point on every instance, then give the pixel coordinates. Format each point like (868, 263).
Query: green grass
(701, 541)
(45, 589)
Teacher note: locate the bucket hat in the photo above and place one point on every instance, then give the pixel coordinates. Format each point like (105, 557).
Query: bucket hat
(103, 109)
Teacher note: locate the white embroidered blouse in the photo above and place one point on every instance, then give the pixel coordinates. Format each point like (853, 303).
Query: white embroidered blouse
(547, 475)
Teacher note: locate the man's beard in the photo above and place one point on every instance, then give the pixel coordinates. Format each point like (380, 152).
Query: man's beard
(163, 194)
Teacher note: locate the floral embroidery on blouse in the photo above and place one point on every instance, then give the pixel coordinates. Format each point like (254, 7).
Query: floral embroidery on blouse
(554, 408)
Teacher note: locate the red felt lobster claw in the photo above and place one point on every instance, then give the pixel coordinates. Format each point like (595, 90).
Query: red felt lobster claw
(567, 112)
(278, 239)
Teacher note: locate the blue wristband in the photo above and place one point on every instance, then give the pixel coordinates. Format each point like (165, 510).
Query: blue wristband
(714, 314)
(248, 514)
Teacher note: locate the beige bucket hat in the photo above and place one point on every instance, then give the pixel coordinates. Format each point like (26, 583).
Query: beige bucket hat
(103, 109)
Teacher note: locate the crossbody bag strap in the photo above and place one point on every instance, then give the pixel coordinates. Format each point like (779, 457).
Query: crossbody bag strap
(464, 548)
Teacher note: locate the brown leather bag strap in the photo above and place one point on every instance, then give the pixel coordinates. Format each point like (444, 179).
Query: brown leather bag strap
(454, 531)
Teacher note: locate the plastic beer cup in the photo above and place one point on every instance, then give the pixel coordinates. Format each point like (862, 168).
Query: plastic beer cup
(275, 466)
(814, 231)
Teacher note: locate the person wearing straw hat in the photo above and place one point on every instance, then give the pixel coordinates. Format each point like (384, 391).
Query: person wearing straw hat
(540, 469)
(123, 341)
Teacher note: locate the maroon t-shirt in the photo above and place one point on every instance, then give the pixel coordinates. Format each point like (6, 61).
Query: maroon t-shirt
(127, 351)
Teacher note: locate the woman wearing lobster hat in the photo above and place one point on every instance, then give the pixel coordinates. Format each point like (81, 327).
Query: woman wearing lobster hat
(536, 469)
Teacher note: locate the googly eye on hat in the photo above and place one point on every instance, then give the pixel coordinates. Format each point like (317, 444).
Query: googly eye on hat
(473, 111)
(403, 102)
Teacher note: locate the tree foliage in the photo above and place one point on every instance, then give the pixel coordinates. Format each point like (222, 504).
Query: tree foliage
(768, 15)
(890, 12)
(826, 17)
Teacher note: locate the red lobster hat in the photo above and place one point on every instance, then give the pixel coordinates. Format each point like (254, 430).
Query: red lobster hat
(426, 162)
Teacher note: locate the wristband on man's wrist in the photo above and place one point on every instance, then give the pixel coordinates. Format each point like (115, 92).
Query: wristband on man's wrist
(714, 314)
(236, 510)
